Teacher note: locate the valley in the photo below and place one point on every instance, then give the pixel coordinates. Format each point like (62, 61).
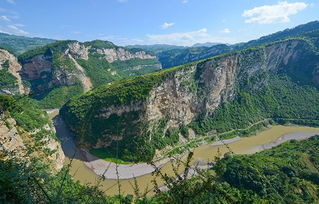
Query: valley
(203, 154)
(87, 169)
(204, 96)
(95, 122)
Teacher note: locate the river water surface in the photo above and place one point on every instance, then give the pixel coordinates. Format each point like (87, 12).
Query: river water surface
(202, 154)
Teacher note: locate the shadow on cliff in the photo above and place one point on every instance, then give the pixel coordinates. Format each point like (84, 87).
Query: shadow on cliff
(67, 141)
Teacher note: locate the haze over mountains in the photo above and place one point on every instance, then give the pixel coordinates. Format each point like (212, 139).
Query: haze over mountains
(144, 103)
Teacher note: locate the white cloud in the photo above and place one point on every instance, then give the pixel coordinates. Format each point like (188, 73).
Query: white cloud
(5, 18)
(19, 25)
(76, 32)
(184, 1)
(186, 38)
(225, 30)
(167, 25)
(121, 40)
(15, 29)
(278, 13)
(10, 1)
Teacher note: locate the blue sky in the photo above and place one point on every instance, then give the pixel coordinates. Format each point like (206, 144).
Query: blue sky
(180, 22)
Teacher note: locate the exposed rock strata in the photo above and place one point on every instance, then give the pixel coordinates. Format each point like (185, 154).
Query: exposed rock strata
(120, 54)
(45, 73)
(13, 68)
(197, 90)
(16, 144)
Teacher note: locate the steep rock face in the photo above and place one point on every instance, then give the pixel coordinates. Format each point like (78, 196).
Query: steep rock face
(81, 75)
(21, 144)
(172, 99)
(120, 54)
(37, 67)
(178, 96)
(10, 68)
(78, 51)
(53, 69)
(10, 139)
(71, 63)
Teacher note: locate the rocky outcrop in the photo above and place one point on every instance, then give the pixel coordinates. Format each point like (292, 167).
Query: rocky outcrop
(81, 75)
(9, 63)
(186, 93)
(42, 73)
(121, 54)
(57, 157)
(78, 50)
(23, 145)
(172, 98)
(68, 63)
(11, 141)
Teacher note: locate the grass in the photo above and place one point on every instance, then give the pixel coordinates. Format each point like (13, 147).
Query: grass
(7, 80)
(210, 137)
(102, 154)
(57, 97)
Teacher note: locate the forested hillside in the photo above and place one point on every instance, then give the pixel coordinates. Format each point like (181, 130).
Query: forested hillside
(218, 94)
(117, 104)
(171, 56)
(286, 174)
(21, 44)
(61, 70)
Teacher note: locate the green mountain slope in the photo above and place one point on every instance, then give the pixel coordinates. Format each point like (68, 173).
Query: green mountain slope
(293, 32)
(61, 70)
(20, 44)
(10, 79)
(31, 160)
(285, 174)
(174, 57)
(217, 94)
(157, 48)
(27, 133)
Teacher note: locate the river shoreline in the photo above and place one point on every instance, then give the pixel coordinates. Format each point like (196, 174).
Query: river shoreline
(110, 169)
(81, 170)
(113, 171)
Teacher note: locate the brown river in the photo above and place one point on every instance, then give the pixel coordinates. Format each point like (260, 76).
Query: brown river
(266, 139)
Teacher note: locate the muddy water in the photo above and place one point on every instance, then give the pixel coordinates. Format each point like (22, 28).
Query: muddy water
(202, 154)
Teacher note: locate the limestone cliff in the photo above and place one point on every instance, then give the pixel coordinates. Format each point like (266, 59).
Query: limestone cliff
(17, 142)
(85, 65)
(153, 104)
(11, 82)
(120, 54)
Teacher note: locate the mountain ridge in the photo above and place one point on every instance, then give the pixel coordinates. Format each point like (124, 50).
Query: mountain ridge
(163, 102)
(122, 106)
(67, 68)
(175, 57)
(19, 44)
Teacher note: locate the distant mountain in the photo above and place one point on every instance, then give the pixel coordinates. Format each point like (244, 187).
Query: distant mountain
(156, 48)
(19, 44)
(207, 44)
(292, 32)
(175, 57)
